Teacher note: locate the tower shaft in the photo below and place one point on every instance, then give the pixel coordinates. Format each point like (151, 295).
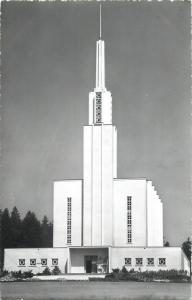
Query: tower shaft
(100, 65)
(100, 100)
(100, 160)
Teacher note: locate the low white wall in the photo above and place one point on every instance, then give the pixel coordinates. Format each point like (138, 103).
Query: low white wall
(173, 255)
(12, 256)
(175, 258)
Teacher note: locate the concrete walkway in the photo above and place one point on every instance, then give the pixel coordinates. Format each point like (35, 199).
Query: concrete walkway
(68, 277)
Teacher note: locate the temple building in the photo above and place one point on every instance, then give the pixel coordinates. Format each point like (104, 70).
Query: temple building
(102, 222)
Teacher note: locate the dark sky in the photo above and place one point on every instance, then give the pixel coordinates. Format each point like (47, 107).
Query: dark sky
(48, 69)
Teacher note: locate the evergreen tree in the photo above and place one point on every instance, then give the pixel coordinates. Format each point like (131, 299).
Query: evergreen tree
(187, 248)
(16, 230)
(6, 239)
(44, 232)
(6, 229)
(166, 244)
(1, 246)
(31, 231)
(50, 230)
(28, 232)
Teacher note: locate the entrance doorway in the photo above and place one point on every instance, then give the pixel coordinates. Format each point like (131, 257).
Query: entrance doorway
(91, 264)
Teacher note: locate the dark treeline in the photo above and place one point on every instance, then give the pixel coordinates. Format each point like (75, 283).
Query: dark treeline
(28, 232)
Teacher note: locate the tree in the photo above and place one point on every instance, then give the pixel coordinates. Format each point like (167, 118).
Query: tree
(16, 230)
(56, 271)
(166, 244)
(6, 237)
(1, 246)
(46, 233)
(186, 246)
(46, 271)
(31, 231)
(50, 230)
(15, 217)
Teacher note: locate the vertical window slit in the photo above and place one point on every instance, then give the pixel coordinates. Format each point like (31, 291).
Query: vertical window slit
(69, 220)
(129, 219)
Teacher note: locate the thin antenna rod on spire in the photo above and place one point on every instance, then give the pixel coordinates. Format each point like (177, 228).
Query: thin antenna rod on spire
(100, 22)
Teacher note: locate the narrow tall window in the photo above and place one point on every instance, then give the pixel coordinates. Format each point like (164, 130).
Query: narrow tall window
(68, 220)
(129, 219)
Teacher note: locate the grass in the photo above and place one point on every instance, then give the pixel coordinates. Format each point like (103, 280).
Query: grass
(95, 291)
(101, 298)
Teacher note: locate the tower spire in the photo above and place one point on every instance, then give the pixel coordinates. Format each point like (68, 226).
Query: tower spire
(100, 28)
(100, 59)
(100, 100)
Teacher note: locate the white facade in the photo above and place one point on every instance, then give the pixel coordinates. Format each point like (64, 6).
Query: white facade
(99, 161)
(102, 222)
(63, 190)
(173, 256)
(36, 259)
(73, 259)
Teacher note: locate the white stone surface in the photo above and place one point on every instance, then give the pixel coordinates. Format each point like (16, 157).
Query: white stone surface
(12, 256)
(137, 190)
(69, 277)
(100, 64)
(72, 260)
(99, 203)
(106, 104)
(63, 190)
(99, 161)
(154, 217)
(175, 258)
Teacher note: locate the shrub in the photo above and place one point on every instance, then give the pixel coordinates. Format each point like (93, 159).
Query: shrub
(28, 274)
(132, 275)
(17, 274)
(56, 271)
(20, 275)
(131, 271)
(109, 277)
(4, 273)
(46, 271)
(124, 270)
(117, 270)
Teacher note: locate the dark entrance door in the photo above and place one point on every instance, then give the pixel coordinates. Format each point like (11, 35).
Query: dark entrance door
(91, 264)
(88, 266)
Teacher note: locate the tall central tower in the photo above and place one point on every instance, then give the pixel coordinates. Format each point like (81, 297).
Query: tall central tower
(100, 161)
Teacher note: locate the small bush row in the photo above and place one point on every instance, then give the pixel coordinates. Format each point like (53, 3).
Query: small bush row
(29, 274)
(133, 275)
(17, 274)
(47, 271)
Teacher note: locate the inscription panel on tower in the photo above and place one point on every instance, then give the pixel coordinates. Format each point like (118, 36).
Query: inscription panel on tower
(98, 107)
